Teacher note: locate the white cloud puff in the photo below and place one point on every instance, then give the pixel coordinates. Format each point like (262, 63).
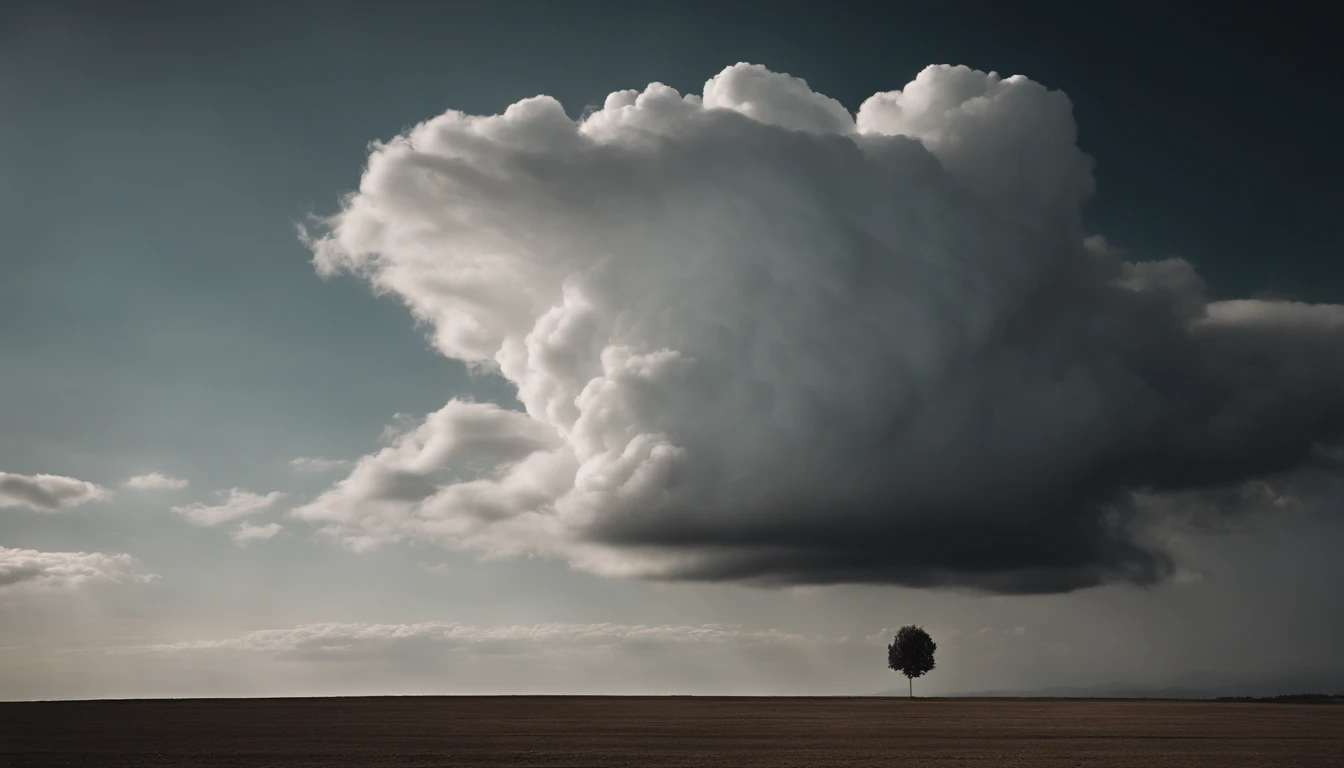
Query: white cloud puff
(248, 533)
(757, 338)
(31, 569)
(1010, 141)
(236, 503)
(156, 481)
(47, 493)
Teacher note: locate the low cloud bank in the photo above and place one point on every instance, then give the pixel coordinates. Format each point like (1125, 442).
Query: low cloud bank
(31, 569)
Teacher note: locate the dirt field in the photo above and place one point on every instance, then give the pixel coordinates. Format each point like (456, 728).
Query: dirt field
(433, 731)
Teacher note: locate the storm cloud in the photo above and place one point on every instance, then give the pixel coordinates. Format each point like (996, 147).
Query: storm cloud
(758, 338)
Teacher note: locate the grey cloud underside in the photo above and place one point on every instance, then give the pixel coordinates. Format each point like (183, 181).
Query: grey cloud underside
(759, 340)
(27, 568)
(1171, 410)
(46, 492)
(19, 574)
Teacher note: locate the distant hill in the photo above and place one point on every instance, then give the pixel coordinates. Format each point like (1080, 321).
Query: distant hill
(1291, 698)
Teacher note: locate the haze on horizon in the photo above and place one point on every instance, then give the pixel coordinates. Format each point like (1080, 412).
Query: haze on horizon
(349, 353)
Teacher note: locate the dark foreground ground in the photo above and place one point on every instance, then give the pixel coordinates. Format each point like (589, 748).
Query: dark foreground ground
(730, 732)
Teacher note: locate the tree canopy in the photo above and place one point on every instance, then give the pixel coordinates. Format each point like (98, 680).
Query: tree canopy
(911, 653)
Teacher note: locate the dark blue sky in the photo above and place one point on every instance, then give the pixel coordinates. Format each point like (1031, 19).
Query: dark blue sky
(1213, 133)
(157, 155)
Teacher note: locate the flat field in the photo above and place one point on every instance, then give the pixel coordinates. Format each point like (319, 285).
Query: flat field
(647, 732)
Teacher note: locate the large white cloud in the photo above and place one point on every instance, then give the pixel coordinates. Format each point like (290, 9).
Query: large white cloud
(756, 338)
(31, 569)
(47, 493)
(235, 503)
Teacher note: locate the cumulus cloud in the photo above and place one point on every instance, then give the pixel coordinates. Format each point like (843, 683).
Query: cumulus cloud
(236, 503)
(248, 533)
(156, 481)
(47, 493)
(317, 464)
(31, 569)
(757, 338)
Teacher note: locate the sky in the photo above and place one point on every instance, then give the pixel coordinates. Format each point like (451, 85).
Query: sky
(632, 348)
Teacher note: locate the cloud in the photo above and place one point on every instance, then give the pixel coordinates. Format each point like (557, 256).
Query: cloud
(47, 493)
(758, 340)
(156, 481)
(1185, 576)
(443, 657)
(1290, 316)
(31, 569)
(336, 641)
(248, 533)
(237, 503)
(304, 464)
(374, 503)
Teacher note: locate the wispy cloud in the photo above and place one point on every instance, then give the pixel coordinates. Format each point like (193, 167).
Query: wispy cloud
(334, 640)
(318, 464)
(348, 658)
(155, 481)
(237, 503)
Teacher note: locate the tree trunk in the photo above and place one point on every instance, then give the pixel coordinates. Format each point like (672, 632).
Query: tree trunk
(911, 680)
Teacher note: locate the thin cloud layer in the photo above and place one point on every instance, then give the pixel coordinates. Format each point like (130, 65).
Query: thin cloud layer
(317, 464)
(757, 338)
(236, 503)
(156, 481)
(441, 657)
(47, 493)
(31, 569)
(328, 641)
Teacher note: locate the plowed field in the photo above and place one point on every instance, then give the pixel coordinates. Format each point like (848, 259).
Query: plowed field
(730, 732)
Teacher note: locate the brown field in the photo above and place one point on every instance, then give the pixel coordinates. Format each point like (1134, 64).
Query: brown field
(599, 731)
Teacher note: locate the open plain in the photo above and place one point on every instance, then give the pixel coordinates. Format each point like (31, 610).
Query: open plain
(675, 731)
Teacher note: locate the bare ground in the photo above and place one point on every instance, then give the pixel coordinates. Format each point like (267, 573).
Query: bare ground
(616, 731)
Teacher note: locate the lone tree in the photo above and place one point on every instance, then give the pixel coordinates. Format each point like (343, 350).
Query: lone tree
(911, 653)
